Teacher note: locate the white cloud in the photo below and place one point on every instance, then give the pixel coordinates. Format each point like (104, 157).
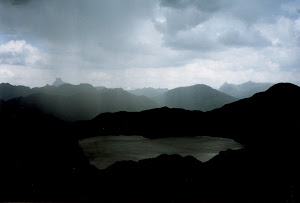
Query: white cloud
(23, 75)
(18, 52)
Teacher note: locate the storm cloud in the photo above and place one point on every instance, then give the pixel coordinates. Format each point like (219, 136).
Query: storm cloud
(161, 43)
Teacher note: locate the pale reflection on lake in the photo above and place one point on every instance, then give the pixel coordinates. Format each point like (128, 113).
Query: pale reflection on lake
(106, 150)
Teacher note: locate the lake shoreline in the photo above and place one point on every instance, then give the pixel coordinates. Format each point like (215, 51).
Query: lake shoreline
(104, 151)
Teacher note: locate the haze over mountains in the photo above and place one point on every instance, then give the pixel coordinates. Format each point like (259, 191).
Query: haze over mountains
(82, 102)
(58, 82)
(149, 92)
(85, 105)
(244, 90)
(196, 97)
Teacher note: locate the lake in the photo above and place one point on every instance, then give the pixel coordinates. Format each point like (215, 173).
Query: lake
(103, 151)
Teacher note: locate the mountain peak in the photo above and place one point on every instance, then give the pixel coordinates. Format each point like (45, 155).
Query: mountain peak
(58, 82)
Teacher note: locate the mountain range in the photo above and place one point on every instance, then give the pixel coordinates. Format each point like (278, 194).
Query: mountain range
(82, 102)
(85, 105)
(268, 112)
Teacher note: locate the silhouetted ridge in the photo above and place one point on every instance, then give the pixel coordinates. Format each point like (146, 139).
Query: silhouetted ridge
(244, 90)
(273, 116)
(284, 89)
(282, 96)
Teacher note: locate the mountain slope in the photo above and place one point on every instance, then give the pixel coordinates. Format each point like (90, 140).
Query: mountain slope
(40, 157)
(8, 91)
(85, 105)
(267, 117)
(197, 97)
(64, 89)
(263, 118)
(244, 90)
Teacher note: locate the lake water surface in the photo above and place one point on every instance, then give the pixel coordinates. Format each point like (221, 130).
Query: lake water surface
(103, 151)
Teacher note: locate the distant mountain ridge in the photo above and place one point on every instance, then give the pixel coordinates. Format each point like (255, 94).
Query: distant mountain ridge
(197, 97)
(8, 91)
(82, 102)
(244, 90)
(64, 89)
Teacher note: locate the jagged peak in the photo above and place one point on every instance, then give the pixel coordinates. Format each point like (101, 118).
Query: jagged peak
(58, 82)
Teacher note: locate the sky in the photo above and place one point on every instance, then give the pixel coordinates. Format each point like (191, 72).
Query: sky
(149, 43)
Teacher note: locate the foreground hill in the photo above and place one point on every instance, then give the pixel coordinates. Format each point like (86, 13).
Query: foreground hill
(86, 104)
(266, 170)
(244, 90)
(273, 115)
(266, 116)
(197, 97)
(41, 160)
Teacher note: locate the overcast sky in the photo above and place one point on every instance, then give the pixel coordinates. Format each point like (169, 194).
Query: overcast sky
(143, 43)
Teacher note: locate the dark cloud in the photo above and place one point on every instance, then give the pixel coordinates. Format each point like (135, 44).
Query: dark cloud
(75, 20)
(116, 39)
(203, 5)
(250, 38)
(19, 2)
(202, 25)
(193, 41)
(181, 19)
(99, 31)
